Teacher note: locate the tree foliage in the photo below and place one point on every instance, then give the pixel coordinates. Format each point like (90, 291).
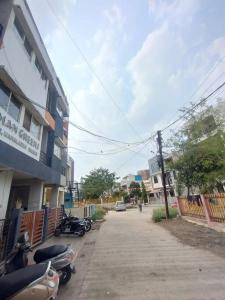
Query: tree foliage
(144, 197)
(135, 190)
(200, 152)
(98, 182)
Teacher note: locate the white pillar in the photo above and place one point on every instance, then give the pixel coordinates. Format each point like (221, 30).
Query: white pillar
(60, 198)
(36, 195)
(54, 197)
(5, 186)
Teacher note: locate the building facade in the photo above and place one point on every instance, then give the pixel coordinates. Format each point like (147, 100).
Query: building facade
(145, 174)
(156, 177)
(33, 116)
(126, 181)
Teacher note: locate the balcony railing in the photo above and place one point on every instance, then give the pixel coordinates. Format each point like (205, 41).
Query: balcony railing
(45, 159)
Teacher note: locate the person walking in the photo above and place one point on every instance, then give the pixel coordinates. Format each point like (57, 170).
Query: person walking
(140, 205)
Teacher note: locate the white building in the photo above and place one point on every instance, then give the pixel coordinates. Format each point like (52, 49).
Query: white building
(33, 107)
(126, 181)
(156, 177)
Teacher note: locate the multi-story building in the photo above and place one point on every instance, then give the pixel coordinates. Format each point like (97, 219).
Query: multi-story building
(145, 174)
(156, 177)
(33, 116)
(126, 181)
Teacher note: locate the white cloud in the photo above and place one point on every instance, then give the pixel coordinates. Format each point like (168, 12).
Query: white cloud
(177, 11)
(170, 62)
(152, 66)
(115, 16)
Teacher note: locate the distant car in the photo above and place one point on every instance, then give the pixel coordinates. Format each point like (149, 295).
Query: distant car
(120, 206)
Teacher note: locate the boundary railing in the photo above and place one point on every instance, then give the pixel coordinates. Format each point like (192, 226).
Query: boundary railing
(210, 207)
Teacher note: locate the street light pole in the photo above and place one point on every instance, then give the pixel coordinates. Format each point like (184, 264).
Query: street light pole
(159, 140)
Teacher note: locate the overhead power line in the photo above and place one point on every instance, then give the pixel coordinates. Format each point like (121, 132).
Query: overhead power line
(192, 109)
(92, 70)
(70, 122)
(106, 138)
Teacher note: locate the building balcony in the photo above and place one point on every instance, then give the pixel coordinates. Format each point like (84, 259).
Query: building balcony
(45, 159)
(49, 119)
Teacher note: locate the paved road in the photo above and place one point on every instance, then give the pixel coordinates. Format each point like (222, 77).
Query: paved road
(137, 260)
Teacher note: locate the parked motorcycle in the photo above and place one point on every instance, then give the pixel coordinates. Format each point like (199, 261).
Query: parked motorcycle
(61, 258)
(69, 225)
(38, 282)
(87, 221)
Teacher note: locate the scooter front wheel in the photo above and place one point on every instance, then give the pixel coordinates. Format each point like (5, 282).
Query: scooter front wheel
(65, 275)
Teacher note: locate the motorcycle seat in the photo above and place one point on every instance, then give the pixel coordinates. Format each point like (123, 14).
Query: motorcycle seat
(49, 252)
(16, 281)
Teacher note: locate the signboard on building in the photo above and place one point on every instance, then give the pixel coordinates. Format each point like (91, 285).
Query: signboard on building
(138, 178)
(13, 134)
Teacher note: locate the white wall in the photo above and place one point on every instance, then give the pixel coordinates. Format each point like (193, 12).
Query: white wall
(17, 63)
(159, 184)
(5, 186)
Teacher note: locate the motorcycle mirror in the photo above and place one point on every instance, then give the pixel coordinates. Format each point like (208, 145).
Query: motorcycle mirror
(26, 236)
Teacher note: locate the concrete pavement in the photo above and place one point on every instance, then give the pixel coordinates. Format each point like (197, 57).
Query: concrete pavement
(136, 259)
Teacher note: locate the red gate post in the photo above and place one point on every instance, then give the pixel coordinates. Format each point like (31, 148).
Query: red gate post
(179, 206)
(206, 209)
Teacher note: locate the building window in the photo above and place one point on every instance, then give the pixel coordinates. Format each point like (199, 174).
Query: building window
(59, 110)
(42, 73)
(43, 76)
(57, 151)
(155, 179)
(19, 28)
(28, 47)
(9, 103)
(38, 65)
(14, 108)
(27, 120)
(35, 128)
(4, 96)
(31, 125)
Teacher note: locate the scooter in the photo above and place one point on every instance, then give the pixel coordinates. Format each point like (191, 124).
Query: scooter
(38, 282)
(61, 258)
(69, 225)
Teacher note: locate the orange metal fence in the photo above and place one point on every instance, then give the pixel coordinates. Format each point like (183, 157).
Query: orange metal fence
(33, 222)
(216, 206)
(54, 217)
(191, 208)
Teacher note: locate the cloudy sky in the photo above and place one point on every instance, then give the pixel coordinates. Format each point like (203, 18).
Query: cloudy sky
(128, 66)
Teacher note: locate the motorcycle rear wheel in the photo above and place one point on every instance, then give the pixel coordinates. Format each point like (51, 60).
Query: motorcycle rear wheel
(81, 233)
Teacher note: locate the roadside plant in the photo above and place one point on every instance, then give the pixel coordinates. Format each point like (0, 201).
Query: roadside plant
(159, 214)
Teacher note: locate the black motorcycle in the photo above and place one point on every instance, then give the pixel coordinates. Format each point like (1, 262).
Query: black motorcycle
(69, 225)
(87, 221)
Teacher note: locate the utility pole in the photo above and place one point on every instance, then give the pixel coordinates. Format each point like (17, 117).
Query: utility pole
(159, 140)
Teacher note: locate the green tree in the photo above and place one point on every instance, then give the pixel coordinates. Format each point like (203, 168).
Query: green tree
(201, 153)
(135, 190)
(126, 197)
(144, 197)
(98, 182)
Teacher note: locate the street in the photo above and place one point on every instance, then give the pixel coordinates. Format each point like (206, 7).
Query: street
(132, 258)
